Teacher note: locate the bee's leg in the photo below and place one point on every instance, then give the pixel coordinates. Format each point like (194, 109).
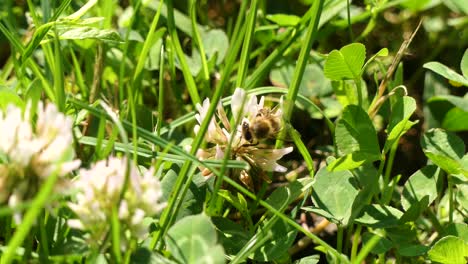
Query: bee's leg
(252, 144)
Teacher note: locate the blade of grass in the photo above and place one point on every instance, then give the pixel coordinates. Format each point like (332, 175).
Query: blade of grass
(284, 217)
(301, 63)
(149, 40)
(41, 32)
(198, 42)
(29, 62)
(168, 215)
(148, 153)
(304, 151)
(30, 218)
(303, 58)
(144, 134)
(59, 86)
(125, 51)
(190, 82)
(244, 60)
(264, 68)
(160, 93)
(301, 101)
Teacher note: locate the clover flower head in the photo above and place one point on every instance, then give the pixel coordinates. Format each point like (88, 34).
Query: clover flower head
(31, 153)
(245, 111)
(99, 191)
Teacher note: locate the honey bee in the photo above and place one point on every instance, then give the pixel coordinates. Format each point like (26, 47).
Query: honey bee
(266, 125)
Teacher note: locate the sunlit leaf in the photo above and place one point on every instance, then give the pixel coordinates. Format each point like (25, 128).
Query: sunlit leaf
(284, 20)
(355, 138)
(345, 63)
(8, 97)
(445, 149)
(457, 229)
(85, 32)
(422, 183)
(193, 240)
(449, 250)
(445, 71)
(464, 64)
(334, 192)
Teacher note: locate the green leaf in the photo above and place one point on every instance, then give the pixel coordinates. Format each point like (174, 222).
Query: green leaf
(422, 183)
(345, 92)
(215, 43)
(462, 196)
(313, 84)
(456, 120)
(8, 97)
(445, 71)
(352, 161)
(144, 255)
(381, 53)
(193, 200)
(416, 5)
(85, 32)
(355, 135)
(460, 102)
(368, 178)
(402, 234)
(193, 240)
(412, 250)
(355, 132)
(458, 6)
(415, 210)
(281, 235)
(451, 111)
(182, 21)
(284, 20)
(382, 246)
(335, 192)
(464, 64)
(449, 250)
(285, 195)
(397, 132)
(380, 216)
(345, 63)
(445, 150)
(402, 110)
(231, 235)
(314, 259)
(457, 229)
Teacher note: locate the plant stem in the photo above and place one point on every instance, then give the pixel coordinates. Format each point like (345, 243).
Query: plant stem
(366, 249)
(451, 197)
(339, 239)
(356, 237)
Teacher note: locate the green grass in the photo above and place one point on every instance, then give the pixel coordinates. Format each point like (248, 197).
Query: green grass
(378, 131)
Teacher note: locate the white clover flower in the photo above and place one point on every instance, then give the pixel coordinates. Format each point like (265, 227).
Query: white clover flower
(31, 153)
(99, 189)
(248, 110)
(53, 130)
